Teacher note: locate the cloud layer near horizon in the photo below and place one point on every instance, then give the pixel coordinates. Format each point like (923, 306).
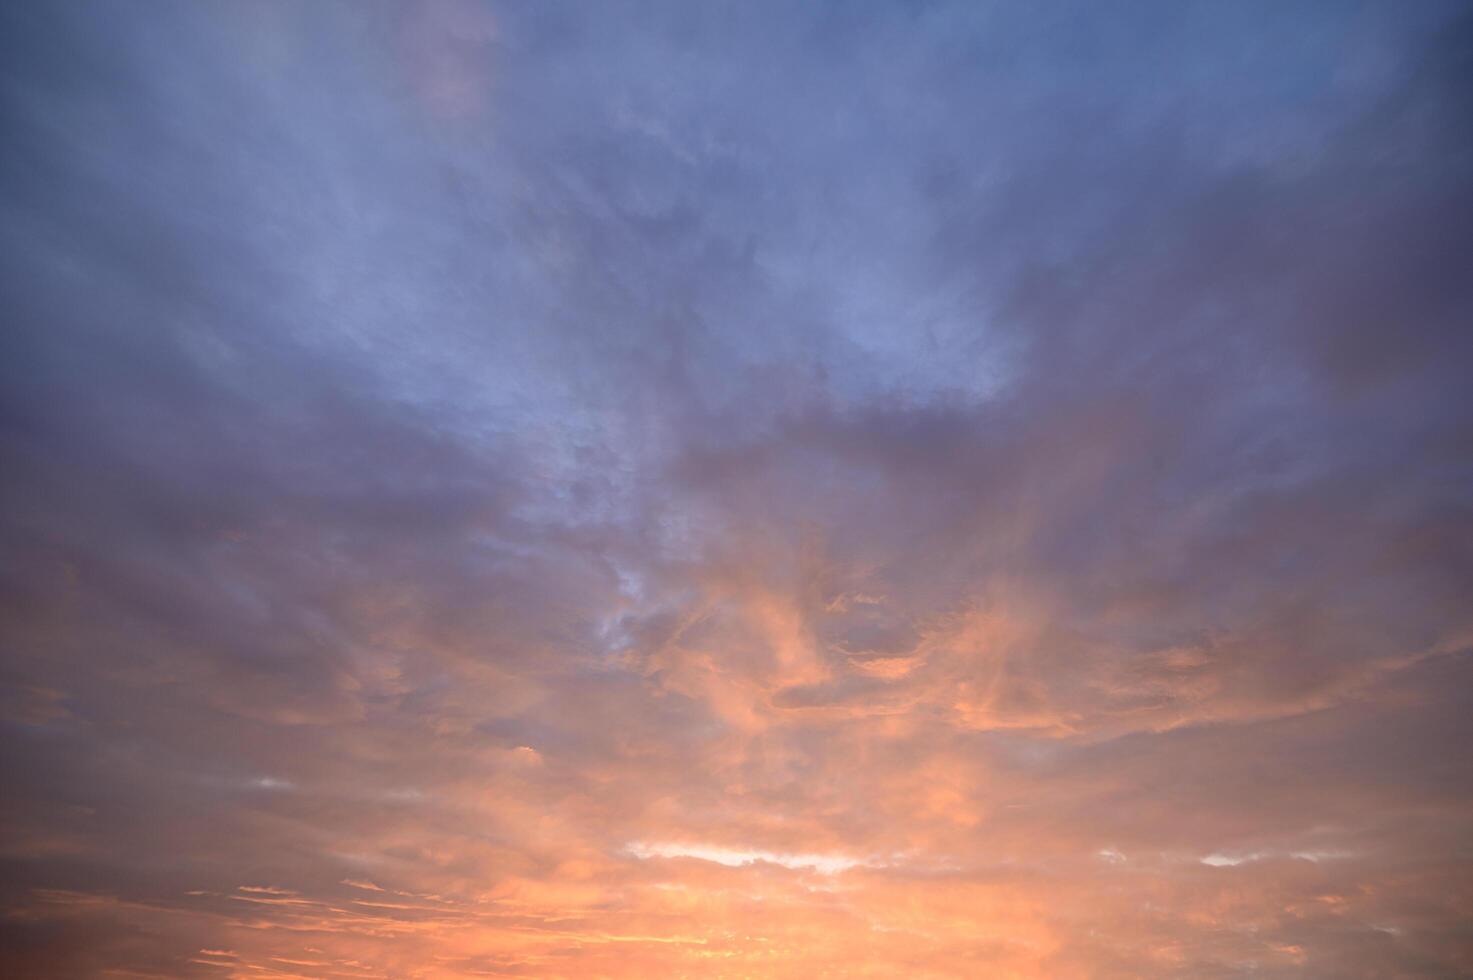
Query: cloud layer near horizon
(667, 489)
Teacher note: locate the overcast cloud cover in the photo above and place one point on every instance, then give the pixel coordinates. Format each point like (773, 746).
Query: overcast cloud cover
(736, 489)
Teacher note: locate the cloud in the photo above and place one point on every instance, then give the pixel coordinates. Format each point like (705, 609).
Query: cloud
(731, 857)
(933, 490)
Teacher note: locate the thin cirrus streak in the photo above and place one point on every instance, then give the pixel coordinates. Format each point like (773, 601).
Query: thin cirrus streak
(667, 489)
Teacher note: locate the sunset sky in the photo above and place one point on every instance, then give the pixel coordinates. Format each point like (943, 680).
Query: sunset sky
(693, 489)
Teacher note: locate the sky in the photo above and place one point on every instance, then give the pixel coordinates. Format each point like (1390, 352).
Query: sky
(762, 490)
